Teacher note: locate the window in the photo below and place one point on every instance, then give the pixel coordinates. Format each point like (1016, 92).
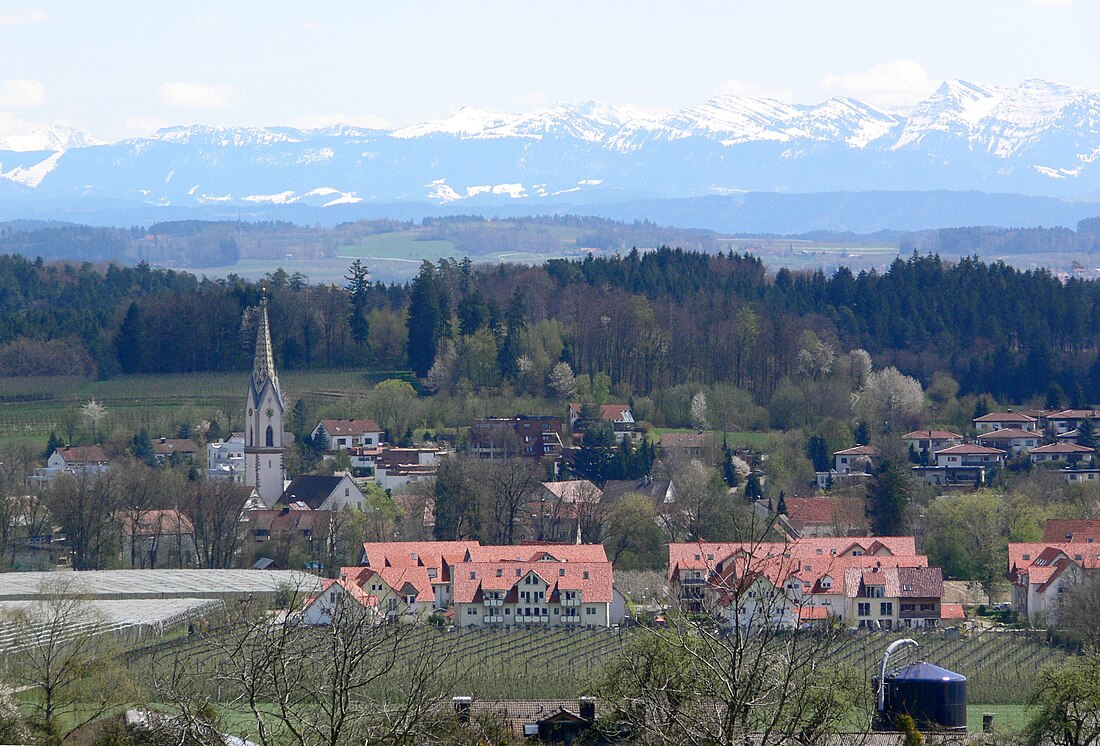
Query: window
(874, 591)
(500, 573)
(908, 607)
(927, 607)
(864, 610)
(473, 575)
(590, 611)
(270, 437)
(432, 572)
(586, 574)
(1027, 556)
(885, 609)
(471, 611)
(819, 551)
(561, 572)
(347, 491)
(809, 568)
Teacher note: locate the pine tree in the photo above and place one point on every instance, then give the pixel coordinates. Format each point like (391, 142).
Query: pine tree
(888, 496)
(52, 445)
(358, 287)
(141, 448)
(511, 347)
(427, 321)
(130, 342)
(1086, 435)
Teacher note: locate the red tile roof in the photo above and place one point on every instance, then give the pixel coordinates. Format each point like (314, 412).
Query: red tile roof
(429, 554)
(538, 552)
(609, 412)
(952, 611)
(1004, 417)
(897, 582)
(931, 435)
(83, 455)
(400, 579)
(364, 598)
(708, 556)
(1062, 448)
(157, 523)
(1059, 530)
(1045, 554)
(1074, 414)
(342, 428)
(473, 577)
(825, 511)
(1008, 433)
(573, 490)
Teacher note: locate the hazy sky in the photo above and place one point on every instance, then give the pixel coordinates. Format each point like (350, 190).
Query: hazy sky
(119, 69)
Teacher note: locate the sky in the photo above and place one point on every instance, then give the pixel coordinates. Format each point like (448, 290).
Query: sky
(123, 69)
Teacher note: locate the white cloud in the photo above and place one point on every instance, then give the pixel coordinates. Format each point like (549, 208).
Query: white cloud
(317, 121)
(193, 95)
(13, 125)
(897, 83)
(145, 125)
(27, 15)
(734, 87)
(21, 94)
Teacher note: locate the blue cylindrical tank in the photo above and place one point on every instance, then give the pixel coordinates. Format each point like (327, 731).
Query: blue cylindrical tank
(934, 697)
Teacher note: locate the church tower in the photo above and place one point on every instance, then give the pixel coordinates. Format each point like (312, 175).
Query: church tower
(263, 432)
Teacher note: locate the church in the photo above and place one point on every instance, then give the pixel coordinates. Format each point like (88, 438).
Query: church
(264, 414)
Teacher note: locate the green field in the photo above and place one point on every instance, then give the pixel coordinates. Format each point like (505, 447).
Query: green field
(31, 407)
(400, 245)
(734, 438)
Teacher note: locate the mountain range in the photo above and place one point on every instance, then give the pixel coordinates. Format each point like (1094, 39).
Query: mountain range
(1038, 138)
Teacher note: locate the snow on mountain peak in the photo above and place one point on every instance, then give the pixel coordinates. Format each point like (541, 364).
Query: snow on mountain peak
(58, 137)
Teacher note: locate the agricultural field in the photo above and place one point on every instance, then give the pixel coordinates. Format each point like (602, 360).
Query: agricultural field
(31, 407)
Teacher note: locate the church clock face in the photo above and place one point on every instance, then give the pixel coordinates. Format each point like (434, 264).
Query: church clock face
(270, 412)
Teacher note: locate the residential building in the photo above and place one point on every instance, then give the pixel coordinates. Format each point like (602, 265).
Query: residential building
(813, 517)
(1060, 530)
(436, 557)
(78, 460)
(1011, 440)
(558, 508)
(394, 468)
(893, 597)
(1069, 453)
(856, 460)
(791, 583)
(999, 420)
(323, 493)
(225, 459)
(969, 454)
(1081, 475)
(685, 446)
(340, 598)
(403, 592)
(1070, 419)
(929, 441)
(619, 415)
(157, 538)
(1041, 571)
(967, 464)
(181, 449)
(290, 524)
(524, 436)
(341, 435)
(264, 411)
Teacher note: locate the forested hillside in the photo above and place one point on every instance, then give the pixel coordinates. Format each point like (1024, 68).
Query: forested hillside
(649, 321)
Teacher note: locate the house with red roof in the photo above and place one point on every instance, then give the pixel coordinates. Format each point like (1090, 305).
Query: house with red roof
(437, 558)
(793, 583)
(403, 592)
(1069, 420)
(1011, 440)
(619, 415)
(343, 599)
(967, 463)
(930, 441)
(824, 516)
(1065, 452)
(1041, 571)
(855, 460)
(998, 420)
(1059, 530)
(344, 434)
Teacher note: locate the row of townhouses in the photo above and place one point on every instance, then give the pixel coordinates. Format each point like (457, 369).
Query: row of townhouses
(864, 582)
(480, 586)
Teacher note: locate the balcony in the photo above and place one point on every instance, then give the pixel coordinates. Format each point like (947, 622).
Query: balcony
(530, 619)
(692, 581)
(570, 602)
(918, 614)
(494, 619)
(493, 601)
(570, 618)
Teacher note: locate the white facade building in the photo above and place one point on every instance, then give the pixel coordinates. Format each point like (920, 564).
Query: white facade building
(263, 437)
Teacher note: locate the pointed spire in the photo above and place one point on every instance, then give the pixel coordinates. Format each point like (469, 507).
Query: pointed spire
(263, 365)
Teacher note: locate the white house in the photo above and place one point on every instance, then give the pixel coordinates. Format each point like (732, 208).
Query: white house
(79, 460)
(619, 415)
(344, 434)
(225, 459)
(1068, 452)
(855, 460)
(930, 441)
(340, 598)
(969, 455)
(1041, 571)
(998, 420)
(324, 493)
(1011, 440)
(1070, 419)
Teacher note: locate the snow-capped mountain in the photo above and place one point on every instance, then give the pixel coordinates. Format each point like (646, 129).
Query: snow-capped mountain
(1037, 138)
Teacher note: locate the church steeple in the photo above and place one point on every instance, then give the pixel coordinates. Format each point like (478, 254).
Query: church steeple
(263, 363)
(264, 411)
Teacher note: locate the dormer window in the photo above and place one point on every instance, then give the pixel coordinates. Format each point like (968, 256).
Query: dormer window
(473, 575)
(586, 574)
(1027, 556)
(561, 572)
(500, 573)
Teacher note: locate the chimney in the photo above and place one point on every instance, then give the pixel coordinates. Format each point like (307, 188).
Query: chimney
(588, 709)
(462, 708)
(163, 440)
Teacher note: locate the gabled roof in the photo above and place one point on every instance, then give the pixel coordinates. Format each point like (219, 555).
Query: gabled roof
(311, 489)
(897, 582)
(1004, 417)
(952, 611)
(168, 446)
(82, 455)
(858, 451)
(825, 511)
(349, 427)
(350, 588)
(401, 580)
(969, 449)
(156, 523)
(1062, 448)
(427, 554)
(538, 553)
(1046, 554)
(472, 578)
(931, 435)
(1059, 530)
(574, 490)
(708, 556)
(1008, 433)
(658, 489)
(1074, 414)
(609, 412)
